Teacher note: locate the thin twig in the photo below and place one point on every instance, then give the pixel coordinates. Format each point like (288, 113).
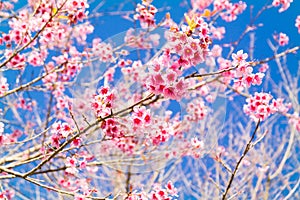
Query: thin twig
(248, 147)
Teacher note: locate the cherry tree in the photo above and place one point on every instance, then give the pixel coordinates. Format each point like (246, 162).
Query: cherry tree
(171, 107)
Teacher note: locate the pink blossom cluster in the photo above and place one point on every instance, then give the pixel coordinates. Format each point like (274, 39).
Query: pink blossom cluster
(297, 23)
(52, 81)
(25, 104)
(101, 50)
(52, 31)
(160, 134)
(17, 62)
(196, 110)
(190, 45)
(79, 186)
(2, 136)
(111, 128)
(8, 138)
(141, 39)
(3, 85)
(73, 11)
(229, 11)
(102, 103)
(217, 32)
(7, 5)
(260, 106)
(7, 194)
(196, 147)
(59, 131)
(201, 4)
(134, 72)
(19, 30)
(282, 39)
(295, 121)
(145, 13)
(219, 152)
(126, 144)
(37, 58)
(285, 4)
(71, 65)
(157, 193)
(75, 163)
(242, 75)
(168, 84)
(141, 117)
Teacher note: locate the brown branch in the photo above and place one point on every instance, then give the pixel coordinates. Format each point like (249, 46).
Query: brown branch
(83, 131)
(248, 147)
(24, 86)
(34, 37)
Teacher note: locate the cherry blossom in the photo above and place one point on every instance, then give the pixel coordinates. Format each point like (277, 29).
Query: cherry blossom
(217, 32)
(196, 110)
(103, 102)
(297, 23)
(295, 121)
(285, 4)
(3, 85)
(260, 106)
(57, 120)
(201, 4)
(282, 39)
(229, 10)
(7, 194)
(141, 39)
(145, 14)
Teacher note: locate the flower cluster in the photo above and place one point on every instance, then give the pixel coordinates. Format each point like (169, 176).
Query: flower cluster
(103, 102)
(157, 193)
(135, 72)
(295, 121)
(8, 138)
(111, 128)
(2, 137)
(141, 39)
(141, 117)
(297, 23)
(59, 131)
(161, 134)
(17, 61)
(201, 4)
(3, 85)
(191, 43)
(126, 143)
(260, 106)
(73, 164)
(196, 110)
(167, 84)
(282, 39)
(285, 4)
(242, 74)
(145, 13)
(7, 194)
(195, 147)
(78, 185)
(229, 11)
(102, 50)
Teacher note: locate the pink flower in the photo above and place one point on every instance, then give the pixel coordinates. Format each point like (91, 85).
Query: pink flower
(295, 121)
(201, 4)
(3, 85)
(260, 106)
(239, 58)
(285, 4)
(263, 68)
(297, 23)
(282, 39)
